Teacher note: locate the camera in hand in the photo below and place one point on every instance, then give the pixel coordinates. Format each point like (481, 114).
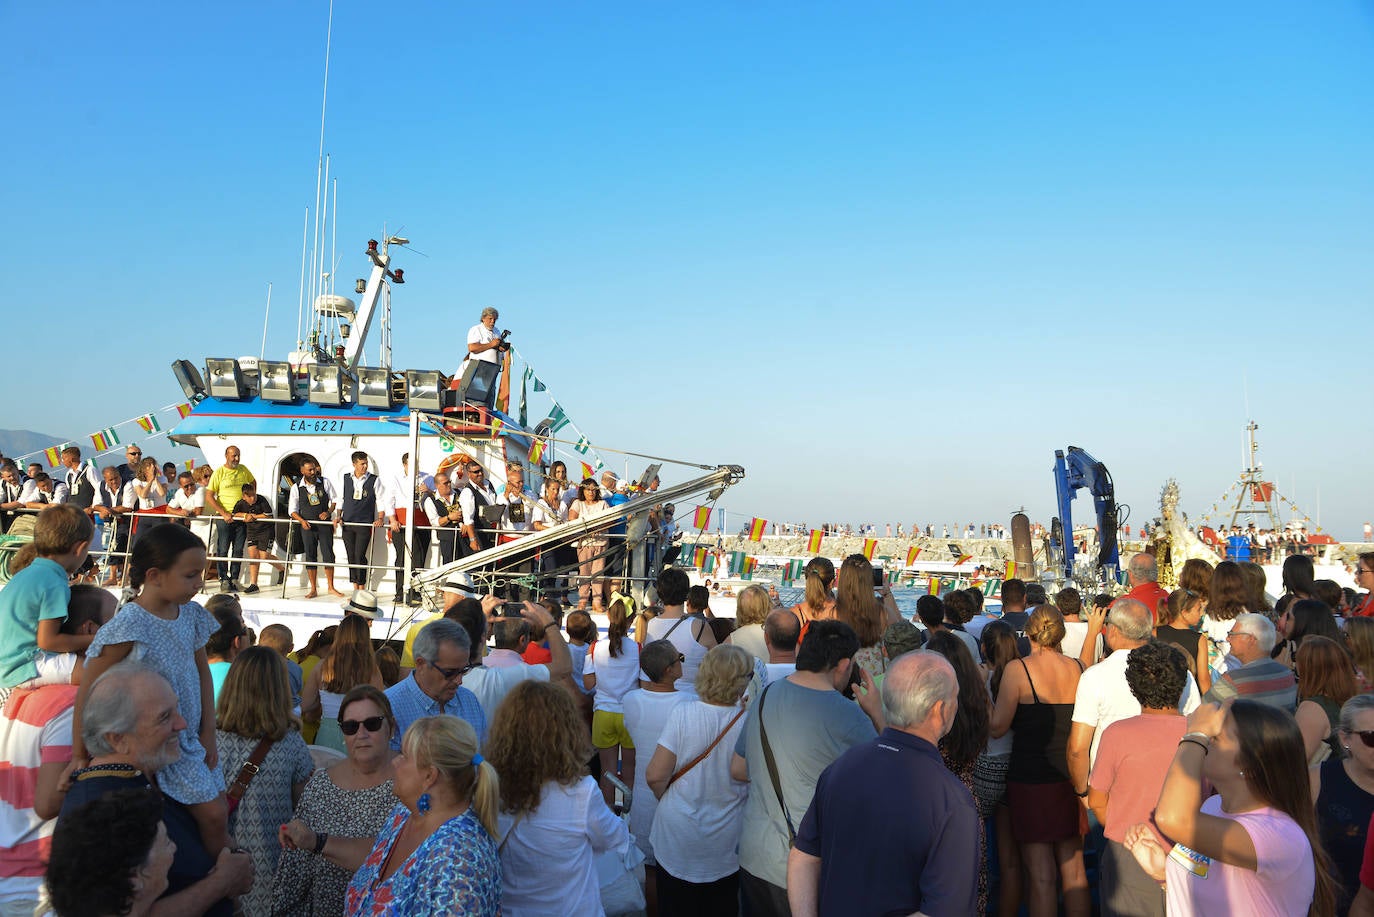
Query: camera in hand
(505, 344)
(510, 610)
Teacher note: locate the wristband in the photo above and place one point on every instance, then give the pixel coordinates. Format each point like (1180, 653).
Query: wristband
(320, 840)
(1082, 795)
(1187, 741)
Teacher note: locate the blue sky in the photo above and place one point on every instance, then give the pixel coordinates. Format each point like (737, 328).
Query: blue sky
(887, 256)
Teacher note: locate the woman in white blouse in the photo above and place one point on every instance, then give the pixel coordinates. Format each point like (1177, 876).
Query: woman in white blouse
(553, 818)
(591, 548)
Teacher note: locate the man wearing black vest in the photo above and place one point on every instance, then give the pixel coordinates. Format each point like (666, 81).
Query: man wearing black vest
(312, 504)
(82, 482)
(443, 511)
(477, 495)
(361, 510)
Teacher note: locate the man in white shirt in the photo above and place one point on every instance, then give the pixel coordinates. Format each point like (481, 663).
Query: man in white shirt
(1103, 696)
(187, 502)
(40, 490)
(781, 631)
(646, 712)
(401, 490)
(500, 669)
(485, 343)
(312, 504)
(81, 478)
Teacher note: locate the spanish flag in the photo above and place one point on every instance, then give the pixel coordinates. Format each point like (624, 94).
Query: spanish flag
(104, 440)
(756, 528)
(870, 545)
(911, 555)
(963, 559)
(813, 544)
(587, 471)
(933, 587)
(701, 518)
(699, 557)
(1011, 569)
(184, 410)
(536, 451)
(54, 454)
(749, 564)
(149, 424)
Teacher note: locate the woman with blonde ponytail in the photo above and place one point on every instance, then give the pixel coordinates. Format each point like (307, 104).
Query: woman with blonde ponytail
(437, 853)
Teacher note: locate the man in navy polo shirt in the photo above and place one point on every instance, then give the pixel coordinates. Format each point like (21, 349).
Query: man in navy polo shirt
(891, 830)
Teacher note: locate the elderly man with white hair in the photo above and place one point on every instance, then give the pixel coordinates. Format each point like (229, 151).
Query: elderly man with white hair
(130, 726)
(1252, 674)
(1103, 696)
(928, 859)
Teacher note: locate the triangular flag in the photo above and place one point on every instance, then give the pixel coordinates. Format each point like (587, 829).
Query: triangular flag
(538, 385)
(586, 471)
(870, 546)
(184, 410)
(702, 518)
(496, 426)
(963, 559)
(756, 527)
(911, 555)
(813, 543)
(558, 418)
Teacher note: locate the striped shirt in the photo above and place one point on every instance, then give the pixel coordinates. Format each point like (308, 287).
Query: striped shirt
(1264, 680)
(35, 729)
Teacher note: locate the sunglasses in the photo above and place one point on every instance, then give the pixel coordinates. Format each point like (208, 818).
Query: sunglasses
(371, 724)
(450, 674)
(1367, 737)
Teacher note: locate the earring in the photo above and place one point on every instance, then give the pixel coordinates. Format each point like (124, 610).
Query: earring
(1242, 773)
(423, 803)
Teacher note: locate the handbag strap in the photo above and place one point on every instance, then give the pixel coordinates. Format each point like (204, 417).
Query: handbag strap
(773, 769)
(250, 769)
(702, 757)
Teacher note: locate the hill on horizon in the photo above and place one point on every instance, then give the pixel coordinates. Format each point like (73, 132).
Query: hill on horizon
(18, 443)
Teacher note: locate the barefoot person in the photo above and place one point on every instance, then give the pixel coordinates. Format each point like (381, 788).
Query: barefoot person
(312, 504)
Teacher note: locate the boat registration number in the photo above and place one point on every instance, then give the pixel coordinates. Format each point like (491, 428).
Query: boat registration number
(316, 426)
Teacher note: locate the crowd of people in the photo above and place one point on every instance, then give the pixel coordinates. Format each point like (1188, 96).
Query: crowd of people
(826, 758)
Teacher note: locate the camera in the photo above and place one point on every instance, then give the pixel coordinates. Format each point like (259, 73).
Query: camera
(505, 344)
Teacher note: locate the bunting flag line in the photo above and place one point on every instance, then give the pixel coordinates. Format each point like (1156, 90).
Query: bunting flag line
(1011, 569)
(933, 587)
(149, 424)
(536, 451)
(105, 439)
(870, 545)
(911, 555)
(701, 519)
(586, 471)
(558, 418)
(54, 455)
(963, 559)
(184, 410)
(813, 544)
(756, 528)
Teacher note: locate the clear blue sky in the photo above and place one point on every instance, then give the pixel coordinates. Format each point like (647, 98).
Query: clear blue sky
(887, 256)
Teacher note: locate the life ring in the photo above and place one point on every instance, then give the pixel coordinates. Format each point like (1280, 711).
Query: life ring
(453, 460)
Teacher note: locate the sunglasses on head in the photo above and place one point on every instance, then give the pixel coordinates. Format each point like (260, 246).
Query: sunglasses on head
(371, 724)
(1367, 737)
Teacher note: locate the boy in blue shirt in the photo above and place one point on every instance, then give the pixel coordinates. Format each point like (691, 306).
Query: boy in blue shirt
(33, 604)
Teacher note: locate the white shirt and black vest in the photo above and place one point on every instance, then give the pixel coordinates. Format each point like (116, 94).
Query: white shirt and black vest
(313, 501)
(359, 499)
(82, 485)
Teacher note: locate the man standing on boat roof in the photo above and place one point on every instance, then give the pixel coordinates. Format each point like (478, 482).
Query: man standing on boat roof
(223, 492)
(363, 509)
(485, 343)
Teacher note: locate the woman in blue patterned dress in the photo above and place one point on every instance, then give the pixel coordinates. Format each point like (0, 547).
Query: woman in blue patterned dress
(435, 854)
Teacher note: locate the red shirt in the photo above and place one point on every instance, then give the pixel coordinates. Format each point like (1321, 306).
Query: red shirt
(1151, 594)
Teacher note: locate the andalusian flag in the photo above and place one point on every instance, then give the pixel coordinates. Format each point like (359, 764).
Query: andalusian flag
(813, 544)
(963, 559)
(870, 545)
(54, 454)
(911, 555)
(586, 471)
(991, 587)
(558, 418)
(892, 576)
(933, 587)
(701, 519)
(583, 445)
(708, 563)
(184, 410)
(149, 424)
(736, 563)
(1011, 569)
(794, 570)
(536, 451)
(104, 440)
(756, 528)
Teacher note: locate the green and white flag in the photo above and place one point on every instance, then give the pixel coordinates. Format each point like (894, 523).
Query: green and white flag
(583, 445)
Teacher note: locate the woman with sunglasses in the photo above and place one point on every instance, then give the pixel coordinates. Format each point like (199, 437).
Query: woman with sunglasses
(1364, 581)
(1344, 790)
(341, 812)
(351, 662)
(255, 706)
(592, 548)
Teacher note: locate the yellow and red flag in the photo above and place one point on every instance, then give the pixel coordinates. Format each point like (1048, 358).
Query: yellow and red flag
(870, 546)
(911, 555)
(1011, 569)
(587, 471)
(813, 544)
(963, 559)
(184, 409)
(756, 527)
(933, 587)
(536, 451)
(749, 565)
(701, 519)
(54, 454)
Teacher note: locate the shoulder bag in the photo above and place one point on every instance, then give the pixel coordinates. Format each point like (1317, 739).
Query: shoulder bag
(247, 773)
(773, 769)
(702, 757)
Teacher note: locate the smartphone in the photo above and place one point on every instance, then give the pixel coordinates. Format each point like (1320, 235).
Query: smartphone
(856, 678)
(510, 610)
(877, 577)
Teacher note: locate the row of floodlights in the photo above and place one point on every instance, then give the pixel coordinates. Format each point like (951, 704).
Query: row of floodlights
(331, 385)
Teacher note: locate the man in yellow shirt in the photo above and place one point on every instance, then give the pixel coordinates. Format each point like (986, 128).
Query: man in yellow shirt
(221, 494)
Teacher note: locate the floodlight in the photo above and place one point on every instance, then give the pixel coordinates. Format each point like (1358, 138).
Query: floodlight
(374, 387)
(326, 385)
(478, 384)
(275, 382)
(189, 378)
(423, 387)
(226, 379)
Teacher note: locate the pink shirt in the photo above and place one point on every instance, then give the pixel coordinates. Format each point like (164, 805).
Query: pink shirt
(1281, 886)
(1132, 760)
